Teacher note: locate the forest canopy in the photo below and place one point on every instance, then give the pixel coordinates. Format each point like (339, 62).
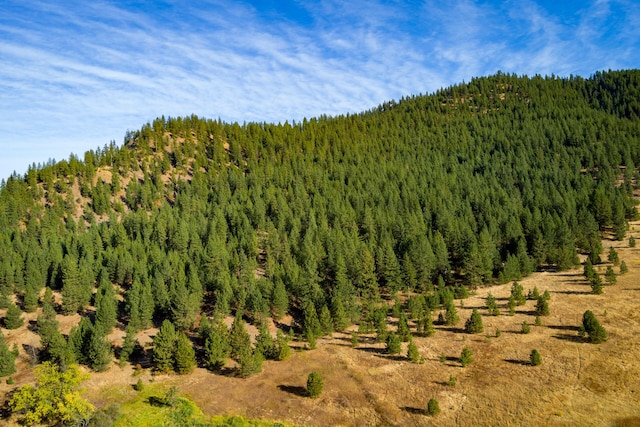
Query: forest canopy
(479, 182)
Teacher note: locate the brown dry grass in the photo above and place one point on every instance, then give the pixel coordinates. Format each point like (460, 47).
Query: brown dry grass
(577, 384)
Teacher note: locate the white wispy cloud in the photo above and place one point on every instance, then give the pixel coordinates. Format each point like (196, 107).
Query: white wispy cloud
(75, 75)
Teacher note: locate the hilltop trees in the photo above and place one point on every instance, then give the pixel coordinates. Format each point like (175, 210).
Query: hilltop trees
(321, 219)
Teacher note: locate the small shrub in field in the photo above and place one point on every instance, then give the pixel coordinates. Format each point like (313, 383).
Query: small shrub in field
(535, 357)
(623, 268)
(592, 328)
(632, 242)
(525, 327)
(314, 384)
(466, 356)
(452, 381)
(474, 325)
(433, 408)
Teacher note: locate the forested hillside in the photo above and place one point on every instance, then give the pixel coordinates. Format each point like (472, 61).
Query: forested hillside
(434, 194)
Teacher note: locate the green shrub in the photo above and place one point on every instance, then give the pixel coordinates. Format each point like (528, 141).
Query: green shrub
(433, 408)
(535, 357)
(314, 384)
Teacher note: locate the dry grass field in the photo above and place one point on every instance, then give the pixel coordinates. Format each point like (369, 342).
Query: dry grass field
(578, 383)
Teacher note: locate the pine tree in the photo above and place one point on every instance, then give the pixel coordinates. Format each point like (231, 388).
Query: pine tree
(433, 408)
(326, 322)
(13, 318)
(128, 345)
(185, 356)
(393, 343)
(592, 328)
(403, 328)
(535, 358)
(315, 384)
(339, 315)
(7, 358)
(217, 348)
(282, 344)
(525, 327)
(250, 363)
(596, 284)
(466, 356)
(623, 268)
(265, 343)
(279, 301)
(413, 354)
(164, 347)
(473, 325)
(610, 276)
(517, 292)
(106, 307)
(451, 315)
(613, 256)
(239, 339)
(311, 324)
(542, 307)
(492, 305)
(100, 353)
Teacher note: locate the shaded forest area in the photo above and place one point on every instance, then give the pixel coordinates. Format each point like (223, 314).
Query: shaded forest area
(478, 183)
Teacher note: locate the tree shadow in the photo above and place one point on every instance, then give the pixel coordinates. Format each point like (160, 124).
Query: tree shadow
(415, 411)
(573, 292)
(294, 389)
(374, 350)
(518, 362)
(564, 327)
(570, 338)
(394, 357)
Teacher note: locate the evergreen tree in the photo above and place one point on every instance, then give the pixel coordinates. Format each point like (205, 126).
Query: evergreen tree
(542, 307)
(451, 315)
(403, 328)
(433, 408)
(466, 356)
(517, 292)
(239, 339)
(592, 328)
(13, 317)
(525, 327)
(339, 315)
(164, 347)
(535, 358)
(217, 348)
(80, 338)
(100, 352)
(413, 354)
(613, 256)
(265, 343)
(250, 363)
(315, 384)
(326, 322)
(596, 284)
(282, 345)
(610, 276)
(7, 358)
(106, 307)
(473, 325)
(280, 301)
(623, 268)
(128, 345)
(393, 343)
(492, 305)
(185, 356)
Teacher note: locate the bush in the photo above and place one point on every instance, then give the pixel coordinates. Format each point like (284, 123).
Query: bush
(525, 327)
(314, 384)
(592, 328)
(433, 408)
(535, 357)
(393, 343)
(452, 381)
(623, 268)
(473, 324)
(466, 356)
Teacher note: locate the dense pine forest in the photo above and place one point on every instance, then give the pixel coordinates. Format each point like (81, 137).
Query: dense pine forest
(192, 220)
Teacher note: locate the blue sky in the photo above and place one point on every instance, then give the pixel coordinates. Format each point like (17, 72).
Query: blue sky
(77, 74)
